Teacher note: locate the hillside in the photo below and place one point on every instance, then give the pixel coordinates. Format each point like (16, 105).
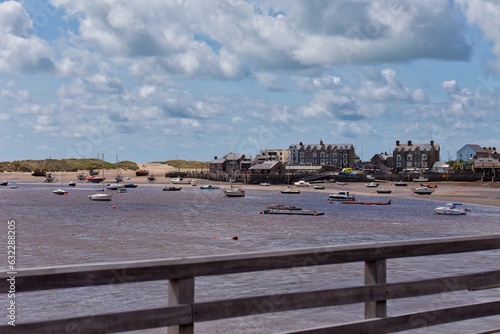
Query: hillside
(63, 165)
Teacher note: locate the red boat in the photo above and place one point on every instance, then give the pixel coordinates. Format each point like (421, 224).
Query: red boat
(141, 172)
(94, 179)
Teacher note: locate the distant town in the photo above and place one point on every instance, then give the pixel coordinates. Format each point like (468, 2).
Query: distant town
(407, 157)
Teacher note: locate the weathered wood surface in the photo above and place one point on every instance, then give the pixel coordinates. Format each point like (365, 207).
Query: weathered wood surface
(183, 312)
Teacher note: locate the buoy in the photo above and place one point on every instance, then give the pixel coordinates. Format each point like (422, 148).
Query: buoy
(459, 188)
(214, 236)
(235, 237)
(114, 206)
(260, 212)
(315, 214)
(453, 192)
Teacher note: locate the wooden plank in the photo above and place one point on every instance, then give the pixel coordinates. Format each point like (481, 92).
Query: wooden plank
(107, 323)
(239, 307)
(410, 321)
(140, 271)
(375, 273)
(181, 292)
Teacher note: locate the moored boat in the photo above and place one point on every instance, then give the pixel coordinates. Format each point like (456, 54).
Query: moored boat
(171, 188)
(209, 187)
(342, 196)
(180, 180)
(368, 203)
(14, 185)
(130, 185)
(290, 191)
(234, 192)
(101, 197)
(60, 192)
(302, 184)
(72, 183)
(303, 212)
(400, 184)
(95, 179)
(372, 185)
(453, 208)
(141, 172)
(151, 177)
(423, 190)
(121, 190)
(384, 191)
(4, 183)
(318, 187)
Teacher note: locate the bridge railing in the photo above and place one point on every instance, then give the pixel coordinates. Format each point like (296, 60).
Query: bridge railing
(183, 312)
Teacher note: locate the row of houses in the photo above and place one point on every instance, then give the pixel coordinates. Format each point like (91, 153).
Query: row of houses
(405, 156)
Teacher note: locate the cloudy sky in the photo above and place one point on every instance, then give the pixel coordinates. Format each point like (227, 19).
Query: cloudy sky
(163, 79)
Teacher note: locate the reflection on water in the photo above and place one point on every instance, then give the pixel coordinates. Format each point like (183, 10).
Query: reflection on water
(149, 224)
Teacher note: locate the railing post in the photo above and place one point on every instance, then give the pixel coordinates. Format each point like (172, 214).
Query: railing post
(375, 273)
(181, 291)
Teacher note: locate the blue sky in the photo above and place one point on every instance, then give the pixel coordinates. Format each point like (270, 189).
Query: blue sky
(158, 80)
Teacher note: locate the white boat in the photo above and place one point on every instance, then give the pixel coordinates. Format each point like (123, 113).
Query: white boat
(72, 183)
(423, 190)
(121, 190)
(342, 196)
(193, 183)
(451, 209)
(265, 184)
(180, 180)
(420, 179)
(13, 185)
(302, 184)
(101, 197)
(234, 192)
(4, 183)
(372, 185)
(114, 186)
(60, 192)
(318, 187)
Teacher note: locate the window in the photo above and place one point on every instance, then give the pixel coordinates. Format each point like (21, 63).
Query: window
(424, 157)
(398, 158)
(409, 157)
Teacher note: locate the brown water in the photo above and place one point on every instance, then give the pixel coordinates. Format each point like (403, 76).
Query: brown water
(150, 224)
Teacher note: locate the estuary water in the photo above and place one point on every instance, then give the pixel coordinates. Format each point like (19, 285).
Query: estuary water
(147, 223)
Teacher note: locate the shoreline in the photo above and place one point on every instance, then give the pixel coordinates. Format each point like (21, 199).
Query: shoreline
(484, 193)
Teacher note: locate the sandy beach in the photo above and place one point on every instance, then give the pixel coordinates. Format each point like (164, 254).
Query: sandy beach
(482, 193)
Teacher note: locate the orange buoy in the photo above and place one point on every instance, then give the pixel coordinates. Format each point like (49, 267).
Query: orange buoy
(260, 212)
(235, 237)
(114, 206)
(214, 236)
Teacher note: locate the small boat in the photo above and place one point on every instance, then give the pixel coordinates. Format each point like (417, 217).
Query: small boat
(180, 180)
(100, 197)
(290, 191)
(400, 184)
(193, 183)
(341, 196)
(171, 188)
(423, 190)
(318, 187)
(384, 191)
(121, 190)
(151, 177)
(113, 186)
(49, 178)
(420, 179)
(13, 185)
(60, 192)
(451, 209)
(94, 179)
(72, 183)
(368, 203)
(141, 172)
(302, 184)
(302, 212)
(372, 185)
(209, 187)
(80, 177)
(265, 184)
(282, 207)
(340, 183)
(4, 183)
(130, 185)
(429, 185)
(38, 172)
(234, 192)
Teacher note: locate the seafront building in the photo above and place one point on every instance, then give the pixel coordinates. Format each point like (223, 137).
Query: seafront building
(337, 155)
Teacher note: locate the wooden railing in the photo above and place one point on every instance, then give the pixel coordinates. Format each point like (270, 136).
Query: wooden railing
(183, 312)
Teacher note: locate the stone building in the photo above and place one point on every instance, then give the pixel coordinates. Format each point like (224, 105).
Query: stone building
(415, 156)
(337, 155)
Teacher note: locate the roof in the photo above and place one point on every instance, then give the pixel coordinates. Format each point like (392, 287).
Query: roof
(319, 146)
(416, 147)
(475, 148)
(234, 156)
(266, 165)
(218, 161)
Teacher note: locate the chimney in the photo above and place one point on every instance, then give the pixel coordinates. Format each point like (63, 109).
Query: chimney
(409, 142)
(397, 142)
(432, 142)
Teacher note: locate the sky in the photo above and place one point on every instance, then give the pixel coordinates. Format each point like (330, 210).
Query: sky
(171, 79)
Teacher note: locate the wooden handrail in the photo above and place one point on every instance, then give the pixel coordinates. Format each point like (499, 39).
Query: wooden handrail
(183, 311)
